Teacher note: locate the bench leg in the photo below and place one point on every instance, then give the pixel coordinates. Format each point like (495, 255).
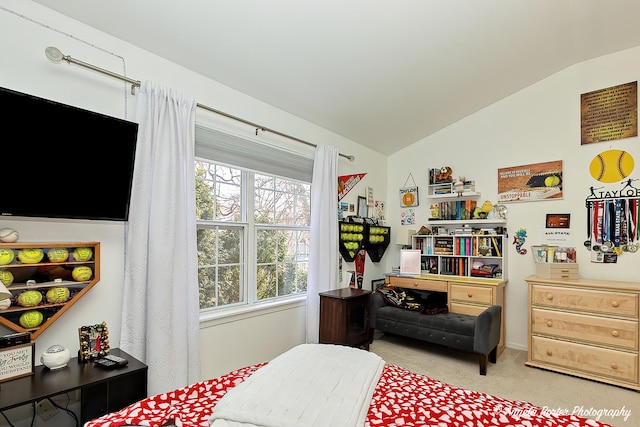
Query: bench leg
(483, 363)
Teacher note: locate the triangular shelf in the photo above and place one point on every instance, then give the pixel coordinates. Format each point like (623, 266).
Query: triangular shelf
(41, 277)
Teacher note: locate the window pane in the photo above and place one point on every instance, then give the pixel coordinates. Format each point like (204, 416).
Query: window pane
(220, 266)
(218, 192)
(282, 201)
(266, 278)
(263, 208)
(283, 257)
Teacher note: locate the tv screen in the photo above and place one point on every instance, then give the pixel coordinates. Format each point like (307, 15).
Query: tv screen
(61, 161)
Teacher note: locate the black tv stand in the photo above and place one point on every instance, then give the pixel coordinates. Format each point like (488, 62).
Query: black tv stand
(102, 390)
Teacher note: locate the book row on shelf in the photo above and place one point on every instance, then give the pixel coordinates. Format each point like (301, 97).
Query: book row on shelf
(486, 245)
(453, 210)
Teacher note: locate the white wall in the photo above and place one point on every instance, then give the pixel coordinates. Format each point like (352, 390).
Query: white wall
(228, 343)
(538, 124)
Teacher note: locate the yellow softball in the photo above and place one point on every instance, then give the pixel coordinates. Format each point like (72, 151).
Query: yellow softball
(82, 273)
(57, 254)
(31, 319)
(6, 277)
(29, 298)
(82, 254)
(6, 256)
(30, 256)
(57, 295)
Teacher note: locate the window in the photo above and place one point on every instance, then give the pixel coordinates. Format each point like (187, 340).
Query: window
(252, 233)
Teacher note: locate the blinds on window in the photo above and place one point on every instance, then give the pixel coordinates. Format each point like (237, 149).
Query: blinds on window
(245, 153)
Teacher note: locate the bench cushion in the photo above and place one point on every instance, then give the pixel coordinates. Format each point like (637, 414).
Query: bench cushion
(462, 324)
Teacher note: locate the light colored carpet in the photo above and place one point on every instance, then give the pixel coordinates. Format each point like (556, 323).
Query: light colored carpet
(509, 378)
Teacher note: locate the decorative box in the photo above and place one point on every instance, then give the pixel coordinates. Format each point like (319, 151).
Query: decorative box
(557, 270)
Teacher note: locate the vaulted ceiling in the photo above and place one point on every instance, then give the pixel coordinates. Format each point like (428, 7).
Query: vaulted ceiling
(384, 74)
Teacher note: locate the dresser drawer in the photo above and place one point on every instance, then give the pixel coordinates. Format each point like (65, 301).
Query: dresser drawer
(597, 301)
(475, 294)
(586, 328)
(587, 359)
(423, 284)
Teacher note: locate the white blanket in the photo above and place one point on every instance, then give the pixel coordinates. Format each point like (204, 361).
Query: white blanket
(317, 385)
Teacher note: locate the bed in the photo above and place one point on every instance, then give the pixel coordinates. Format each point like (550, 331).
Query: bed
(330, 385)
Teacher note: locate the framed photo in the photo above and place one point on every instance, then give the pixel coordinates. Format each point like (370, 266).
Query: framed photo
(94, 341)
(362, 207)
(375, 283)
(410, 262)
(17, 361)
(558, 220)
(370, 200)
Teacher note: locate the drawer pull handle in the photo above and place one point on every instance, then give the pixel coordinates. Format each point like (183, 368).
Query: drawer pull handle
(550, 297)
(614, 365)
(615, 333)
(415, 284)
(469, 294)
(549, 353)
(615, 304)
(549, 323)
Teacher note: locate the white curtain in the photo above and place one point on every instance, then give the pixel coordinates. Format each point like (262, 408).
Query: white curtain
(160, 313)
(323, 253)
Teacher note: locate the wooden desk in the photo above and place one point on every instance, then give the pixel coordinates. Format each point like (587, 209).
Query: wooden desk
(102, 390)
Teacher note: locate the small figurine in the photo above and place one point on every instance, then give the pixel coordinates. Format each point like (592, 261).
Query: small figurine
(458, 186)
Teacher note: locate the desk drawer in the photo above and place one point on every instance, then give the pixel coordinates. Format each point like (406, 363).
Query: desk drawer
(582, 358)
(597, 301)
(414, 283)
(586, 328)
(470, 309)
(475, 294)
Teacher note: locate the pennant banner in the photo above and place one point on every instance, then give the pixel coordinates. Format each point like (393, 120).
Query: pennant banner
(347, 182)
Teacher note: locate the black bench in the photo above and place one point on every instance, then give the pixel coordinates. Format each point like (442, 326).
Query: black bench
(478, 334)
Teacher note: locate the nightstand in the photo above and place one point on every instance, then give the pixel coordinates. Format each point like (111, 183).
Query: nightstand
(344, 317)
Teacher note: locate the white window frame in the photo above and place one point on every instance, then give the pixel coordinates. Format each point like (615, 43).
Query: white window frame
(211, 143)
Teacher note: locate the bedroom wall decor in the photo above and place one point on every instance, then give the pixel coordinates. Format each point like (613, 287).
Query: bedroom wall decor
(609, 113)
(612, 222)
(528, 183)
(347, 182)
(611, 166)
(409, 195)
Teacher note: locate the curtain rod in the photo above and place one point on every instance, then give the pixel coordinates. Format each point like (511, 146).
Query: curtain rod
(55, 55)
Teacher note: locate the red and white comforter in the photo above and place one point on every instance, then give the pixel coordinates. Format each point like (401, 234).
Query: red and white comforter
(401, 399)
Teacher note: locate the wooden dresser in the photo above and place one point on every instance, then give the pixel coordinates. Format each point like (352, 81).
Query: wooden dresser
(587, 328)
(465, 295)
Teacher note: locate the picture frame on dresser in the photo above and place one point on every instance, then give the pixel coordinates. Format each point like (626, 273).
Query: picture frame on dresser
(17, 361)
(94, 341)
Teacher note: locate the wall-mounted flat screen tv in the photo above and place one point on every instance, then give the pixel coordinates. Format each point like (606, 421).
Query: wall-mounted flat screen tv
(60, 161)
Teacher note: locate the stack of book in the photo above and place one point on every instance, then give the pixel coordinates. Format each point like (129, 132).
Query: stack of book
(443, 246)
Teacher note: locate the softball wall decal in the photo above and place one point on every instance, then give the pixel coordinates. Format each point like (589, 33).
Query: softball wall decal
(611, 166)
